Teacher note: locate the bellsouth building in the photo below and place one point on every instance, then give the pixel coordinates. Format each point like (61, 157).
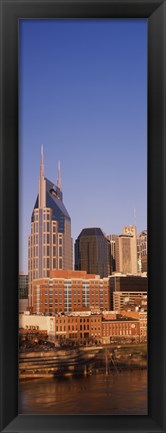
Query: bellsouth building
(50, 242)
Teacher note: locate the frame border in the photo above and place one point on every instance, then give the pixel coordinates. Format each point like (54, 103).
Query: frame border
(155, 13)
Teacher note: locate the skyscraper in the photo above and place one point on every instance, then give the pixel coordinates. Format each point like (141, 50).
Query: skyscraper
(92, 252)
(142, 250)
(23, 286)
(50, 242)
(126, 251)
(112, 241)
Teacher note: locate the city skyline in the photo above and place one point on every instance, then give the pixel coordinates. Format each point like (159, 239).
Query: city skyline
(105, 183)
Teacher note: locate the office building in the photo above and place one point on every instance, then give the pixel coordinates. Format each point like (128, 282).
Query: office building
(130, 301)
(128, 291)
(69, 291)
(126, 251)
(112, 241)
(50, 242)
(142, 251)
(23, 286)
(92, 252)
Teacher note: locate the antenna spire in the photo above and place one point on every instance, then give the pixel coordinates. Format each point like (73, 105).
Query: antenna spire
(59, 185)
(42, 162)
(42, 182)
(135, 216)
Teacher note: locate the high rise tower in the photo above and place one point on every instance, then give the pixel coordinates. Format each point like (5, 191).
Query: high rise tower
(50, 242)
(126, 251)
(142, 250)
(92, 252)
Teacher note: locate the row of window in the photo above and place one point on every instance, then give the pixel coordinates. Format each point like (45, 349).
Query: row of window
(46, 236)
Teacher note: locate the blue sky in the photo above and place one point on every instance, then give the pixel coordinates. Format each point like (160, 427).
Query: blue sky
(83, 95)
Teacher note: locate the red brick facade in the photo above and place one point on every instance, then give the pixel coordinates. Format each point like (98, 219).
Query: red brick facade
(69, 291)
(94, 328)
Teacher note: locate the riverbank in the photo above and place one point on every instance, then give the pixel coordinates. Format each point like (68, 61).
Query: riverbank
(83, 361)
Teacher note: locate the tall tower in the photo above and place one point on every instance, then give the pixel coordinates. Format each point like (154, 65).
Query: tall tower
(126, 251)
(112, 241)
(50, 242)
(92, 252)
(142, 250)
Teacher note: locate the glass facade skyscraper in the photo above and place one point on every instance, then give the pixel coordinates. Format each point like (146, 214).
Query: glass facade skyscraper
(92, 252)
(50, 242)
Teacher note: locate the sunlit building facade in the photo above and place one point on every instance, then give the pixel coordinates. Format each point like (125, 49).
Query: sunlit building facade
(50, 242)
(142, 250)
(128, 292)
(68, 291)
(126, 251)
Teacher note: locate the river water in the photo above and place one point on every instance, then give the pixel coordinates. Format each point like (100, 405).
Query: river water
(123, 393)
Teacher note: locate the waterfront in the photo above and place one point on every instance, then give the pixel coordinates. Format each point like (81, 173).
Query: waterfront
(123, 393)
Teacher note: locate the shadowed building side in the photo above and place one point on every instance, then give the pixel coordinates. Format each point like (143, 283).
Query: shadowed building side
(92, 252)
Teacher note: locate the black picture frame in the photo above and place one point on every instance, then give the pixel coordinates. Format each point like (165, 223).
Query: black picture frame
(155, 12)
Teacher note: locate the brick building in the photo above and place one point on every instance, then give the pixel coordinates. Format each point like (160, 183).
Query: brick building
(119, 329)
(85, 327)
(79, 328)
(142, 317)
(67, 291)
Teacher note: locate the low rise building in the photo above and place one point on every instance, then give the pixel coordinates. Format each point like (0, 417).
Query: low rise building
(120, 329)
(37, 322)
(88, 328)
(142, 317)
(79, 328)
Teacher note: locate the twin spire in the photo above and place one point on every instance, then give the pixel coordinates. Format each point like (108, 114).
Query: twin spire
(42, 162)
(59, 184)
